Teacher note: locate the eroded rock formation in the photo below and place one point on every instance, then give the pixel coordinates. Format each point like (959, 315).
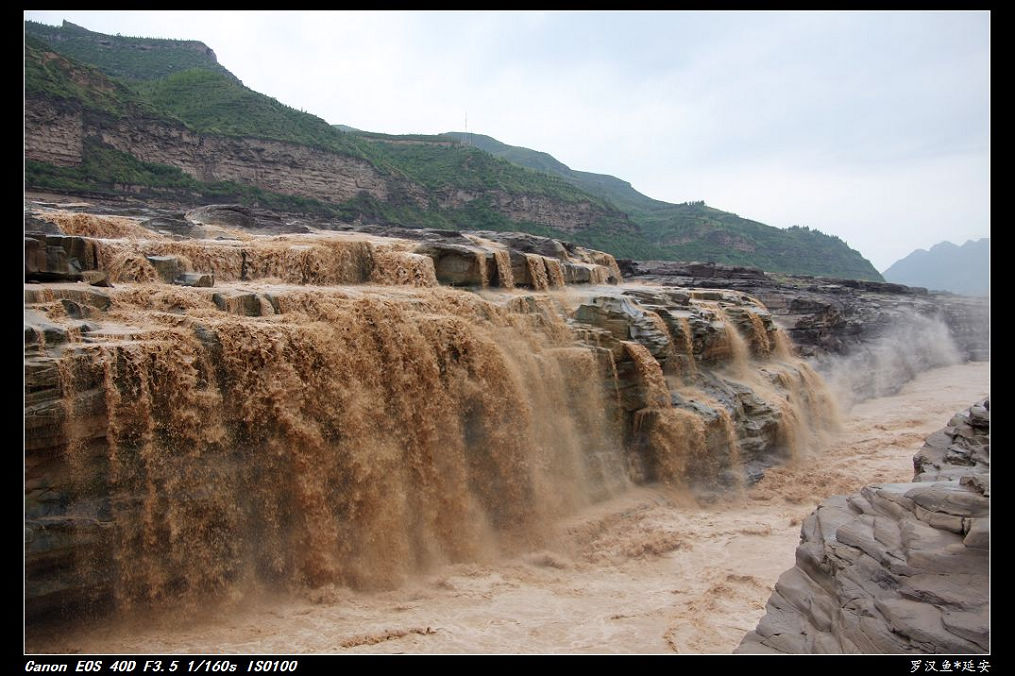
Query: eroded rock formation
(895, 568)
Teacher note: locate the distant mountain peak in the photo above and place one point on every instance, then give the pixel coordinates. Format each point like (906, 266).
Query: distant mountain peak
(946, 267)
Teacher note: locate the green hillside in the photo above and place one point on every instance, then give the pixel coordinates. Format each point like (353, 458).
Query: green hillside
(212, 103)
(695, 231)
(126, 57)
(209, 102)
(182, 83)
(55, 77)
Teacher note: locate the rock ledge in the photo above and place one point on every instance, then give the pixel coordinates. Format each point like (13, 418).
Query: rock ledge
(895, 568)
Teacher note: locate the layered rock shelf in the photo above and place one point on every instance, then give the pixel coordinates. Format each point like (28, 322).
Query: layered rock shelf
(217, 243)
(869, 338)
(895, 568)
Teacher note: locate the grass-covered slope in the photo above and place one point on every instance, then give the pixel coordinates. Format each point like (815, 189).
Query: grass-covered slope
(126, 57)
(212, 103)
(53, 76)
(695, 231)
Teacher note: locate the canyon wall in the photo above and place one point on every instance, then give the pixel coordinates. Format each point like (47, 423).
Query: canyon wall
(54, 132)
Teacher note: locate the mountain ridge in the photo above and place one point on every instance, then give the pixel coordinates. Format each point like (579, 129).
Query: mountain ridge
(133, 58)
(946, 266)
(672, 227)
(438, 181)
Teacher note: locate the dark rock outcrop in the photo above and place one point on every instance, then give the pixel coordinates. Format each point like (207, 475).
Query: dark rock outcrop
(36, 225)
(58, 258)
(961, 448)
(457, 264)
(169, 225)
(195, 279)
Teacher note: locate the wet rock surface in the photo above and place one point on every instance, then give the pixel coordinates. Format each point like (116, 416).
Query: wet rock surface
(58, 257)
(469, 259)
(895, 568)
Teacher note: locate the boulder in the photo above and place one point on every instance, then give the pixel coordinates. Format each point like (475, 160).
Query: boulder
(526, 243)
(36, 260)
(36, 225)
(625, 319)
(168, 268)
(96, 278)
(457, 264)
(960, 449)
(577, 273)
(246, 304)
(174, 226)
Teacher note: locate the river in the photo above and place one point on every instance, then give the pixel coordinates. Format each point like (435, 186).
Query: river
(649, 571)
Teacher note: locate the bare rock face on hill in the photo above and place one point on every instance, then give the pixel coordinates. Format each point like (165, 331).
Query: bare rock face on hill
(895, 568)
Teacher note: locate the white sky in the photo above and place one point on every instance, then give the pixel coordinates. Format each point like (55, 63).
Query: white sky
(873, 126)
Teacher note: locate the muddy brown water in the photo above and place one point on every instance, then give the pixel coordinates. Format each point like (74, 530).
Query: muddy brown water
(650, 570)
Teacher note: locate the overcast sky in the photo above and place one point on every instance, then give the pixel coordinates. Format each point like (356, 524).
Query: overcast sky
(873, 126)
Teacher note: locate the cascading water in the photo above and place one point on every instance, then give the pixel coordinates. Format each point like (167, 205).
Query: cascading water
(299, 426)
(504, 271)
(537, 271)
(356, 442)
